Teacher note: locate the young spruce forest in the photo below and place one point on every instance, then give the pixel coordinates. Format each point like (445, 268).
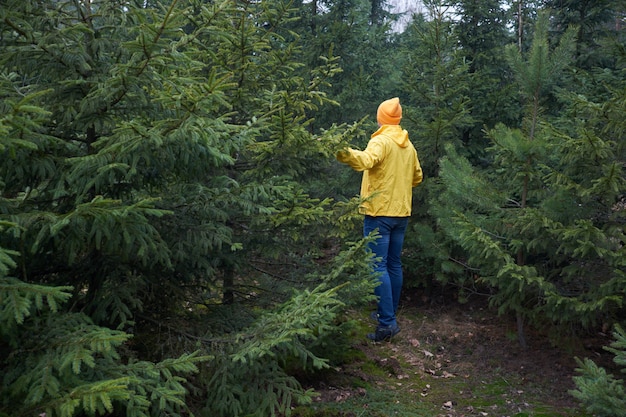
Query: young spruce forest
(177, 238)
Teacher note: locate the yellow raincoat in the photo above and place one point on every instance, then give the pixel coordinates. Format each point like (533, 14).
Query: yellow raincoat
(390, 168)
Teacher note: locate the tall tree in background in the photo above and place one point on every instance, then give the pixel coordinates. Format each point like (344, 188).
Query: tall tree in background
(378, 12)
(599, 44)
(524, 16)
(435, 79)
(364, 48)
(483, 34)
(435, 82)
(595, 20)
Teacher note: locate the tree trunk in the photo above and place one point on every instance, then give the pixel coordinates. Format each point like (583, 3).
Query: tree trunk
(229, 282)
(520, 25)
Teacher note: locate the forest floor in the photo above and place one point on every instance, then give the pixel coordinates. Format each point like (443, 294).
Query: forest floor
(455, 360)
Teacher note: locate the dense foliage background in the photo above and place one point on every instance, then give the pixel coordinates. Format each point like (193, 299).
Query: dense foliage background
(176, 237)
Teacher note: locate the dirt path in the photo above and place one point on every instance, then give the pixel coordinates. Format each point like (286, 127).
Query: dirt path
(466, 361)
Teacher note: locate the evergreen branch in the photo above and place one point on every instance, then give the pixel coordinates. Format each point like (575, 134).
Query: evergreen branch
(95, 398)
(61, 58)
(17, 299)
(297, 318)
(142, 68)
(465, 265)
(16, 28)
(279, 277)
(471, 290)
(6, 258)
(601, 393)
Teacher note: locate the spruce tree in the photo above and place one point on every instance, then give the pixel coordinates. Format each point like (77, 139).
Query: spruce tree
(595, 20)
(154, 170)
(435, 81)
(358, 34)
(540, 223)
(483, 35)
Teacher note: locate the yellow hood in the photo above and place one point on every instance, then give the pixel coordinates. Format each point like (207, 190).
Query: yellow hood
(394, 132)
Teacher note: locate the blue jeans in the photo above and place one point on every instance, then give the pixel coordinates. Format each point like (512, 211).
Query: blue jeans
(387, 249)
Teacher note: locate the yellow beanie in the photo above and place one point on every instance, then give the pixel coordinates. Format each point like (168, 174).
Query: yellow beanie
(389, 112)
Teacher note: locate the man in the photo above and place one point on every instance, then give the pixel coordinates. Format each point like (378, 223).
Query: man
(391, 169)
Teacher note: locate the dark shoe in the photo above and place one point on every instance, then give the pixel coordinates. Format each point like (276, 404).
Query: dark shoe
(374, 316)
(383, 333)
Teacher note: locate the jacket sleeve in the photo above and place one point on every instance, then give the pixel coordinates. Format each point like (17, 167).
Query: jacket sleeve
(362, 160)
(418, 175)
